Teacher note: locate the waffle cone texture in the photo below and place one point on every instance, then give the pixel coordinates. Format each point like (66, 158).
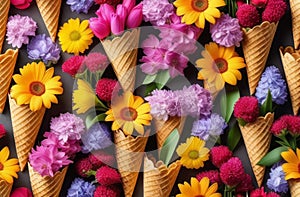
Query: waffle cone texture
(122, 53)
(46, 186)
(4, 9)
(257, 138)
(26, 125)
(295, 11)
(159, 179)
(49, 11)
(292, 73)
(5, 188)
(256, 46)
(294, 185)
(129, 155)
(7, 66)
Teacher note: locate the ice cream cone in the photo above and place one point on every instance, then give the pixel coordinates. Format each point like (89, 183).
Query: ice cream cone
(129, 154)
(295, 11)
(26, 125)
(46, 186)
(159, 179)
(7, 66)
(256, 46)
(5, 188)
(122, 53)
(294, 185)
(50, 10)
(291, 68)
(4, 8)
(257, 138)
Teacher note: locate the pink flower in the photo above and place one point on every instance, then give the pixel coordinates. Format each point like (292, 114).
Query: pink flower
(105, 11)
(21, 4)
(220, 155)
(121, 11)
(83, 166)
(95, 62)
(258, 193)
(128, 4)
(274, 10)
(105, 88)
(73, 65)
(100, 27)
(213, 176)
(152, 65)
(150, 45)
(107, 176)
(246, 108)
(116, 24)
(177, 63)
(107, 191)
(259, 3)
(245, 185)
(21, 192)
(2, 131)
(232, 172)
(135, 17)
(248, 15)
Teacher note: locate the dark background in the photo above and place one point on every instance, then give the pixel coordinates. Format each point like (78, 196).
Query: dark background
(283, 37)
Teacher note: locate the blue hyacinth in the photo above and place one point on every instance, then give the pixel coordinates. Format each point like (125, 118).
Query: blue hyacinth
(81, 188)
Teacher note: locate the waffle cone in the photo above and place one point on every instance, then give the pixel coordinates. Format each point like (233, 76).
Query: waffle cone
(294, 185)
(5, 188)
(50, 10)
(122, 53)
(7, 66)
(165, 128)
(46, 186)
(4, 8)
(129, 154)
(256, 46)
(295, 11)
(257, 138)
(159, 179)
(26, 125)
(292, 74)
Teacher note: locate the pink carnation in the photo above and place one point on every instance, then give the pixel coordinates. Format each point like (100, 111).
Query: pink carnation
(245, 185)
(232, 172)
(246, 108)
(274, 10)
(212, 175)
(83, 166)
(248, 15)
(2, 131)
(294, 125)
(95, 62)
(73, 65)
(107, 191)
(279, 125)
(107, 176)
(258, 193)
(220, 155)
(105, 88)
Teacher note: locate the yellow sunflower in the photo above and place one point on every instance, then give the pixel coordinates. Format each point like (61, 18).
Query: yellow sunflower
(197, 11)
(291, 168)
(219, 65)
(198, 188)
(193, 153)
(8, 167)
(36, 86)
(75, 37)
(129, 112)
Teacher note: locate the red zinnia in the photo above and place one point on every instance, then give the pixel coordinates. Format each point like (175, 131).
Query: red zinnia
(232, 172)
(246, 108)
(105, 88)
(248, 15)
(83, 166)
(220, 155)
(107, 191)
(73, 65)
(107, 176)
(2, 131)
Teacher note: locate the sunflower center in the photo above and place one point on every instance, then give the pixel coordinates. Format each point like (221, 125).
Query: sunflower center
(37, 88)
(199, 196)
(200, 5)
(1, 166)
(221, 64)
(128, 114)
(75, 35)
(193, 154)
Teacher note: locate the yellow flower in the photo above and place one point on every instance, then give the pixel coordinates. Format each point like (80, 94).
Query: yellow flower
(291, 168)
(75, 37)
(197, 11)
(198, 189)
(36, 86)
(219, 65)
(84, 97)
(8, 168)
(129, 112)
(193, 153)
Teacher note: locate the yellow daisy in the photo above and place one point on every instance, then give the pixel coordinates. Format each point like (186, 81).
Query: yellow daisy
(219, 65)
(36, 86)
(197, 11)
(129, 112)
(198, 188)
(75, 37)
(193, 153)
(8, 167)
(291, 168)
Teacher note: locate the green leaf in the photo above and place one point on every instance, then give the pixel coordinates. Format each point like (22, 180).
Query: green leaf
(150, 87)
(272, 157)
(223, 105)
(234, 136)
(162, 78)
(267, 105)
(90, 119)
(231, 98)
(169, 147)
(149, 79)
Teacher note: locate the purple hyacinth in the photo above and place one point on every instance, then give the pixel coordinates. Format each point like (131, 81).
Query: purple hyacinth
(272, 80)
(277, 181)
(80, 5)
(81, 188)
(41, 47)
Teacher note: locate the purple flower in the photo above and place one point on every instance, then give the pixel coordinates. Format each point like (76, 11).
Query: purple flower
(80, 5)
(42, 47)
(152, 65)
(47, 160)
(67, 127)
(272, 80)
(81, 188)
(19, 28)
(150, 45)
(227, 31)
(96, 138)
(176, 62)
(277, 182)
(157, 12)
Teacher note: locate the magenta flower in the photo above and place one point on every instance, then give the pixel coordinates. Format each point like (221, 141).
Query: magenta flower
(100, 27)
(135, 17)
(121, 11)
(95, 62)
(176, 62)
(150, 45)
(116, 24)
(129, 4)
(105, 11)
(152, 65)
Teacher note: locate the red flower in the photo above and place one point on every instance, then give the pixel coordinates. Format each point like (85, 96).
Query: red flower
(259, 3)
(107, 191)
(2, 131)
(100, 158)
(21, 192)
(95, 62)
(294, 125)
(105, 88)
(232, 172)
(212, 175)
(273, 194)
(73, 65)
(83, 166)
(274, 10)
(245, 185)
(248, 15)
(107, 176)
(279, 126)
(258, 193)
(246, 108)
(220, 155)
(111, 2)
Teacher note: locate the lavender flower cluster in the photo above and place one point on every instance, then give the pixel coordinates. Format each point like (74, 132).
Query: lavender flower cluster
(80, 5)
(190, 101)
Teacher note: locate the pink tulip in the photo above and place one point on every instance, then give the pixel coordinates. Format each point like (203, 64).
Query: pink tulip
(128, 4)
(21, 192)
(99, 27)
(21, 4)
(121, 11)
(135, 17)
(105, 12)
(116, 26)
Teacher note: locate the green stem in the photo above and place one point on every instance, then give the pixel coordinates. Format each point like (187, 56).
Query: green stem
(100, 104)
